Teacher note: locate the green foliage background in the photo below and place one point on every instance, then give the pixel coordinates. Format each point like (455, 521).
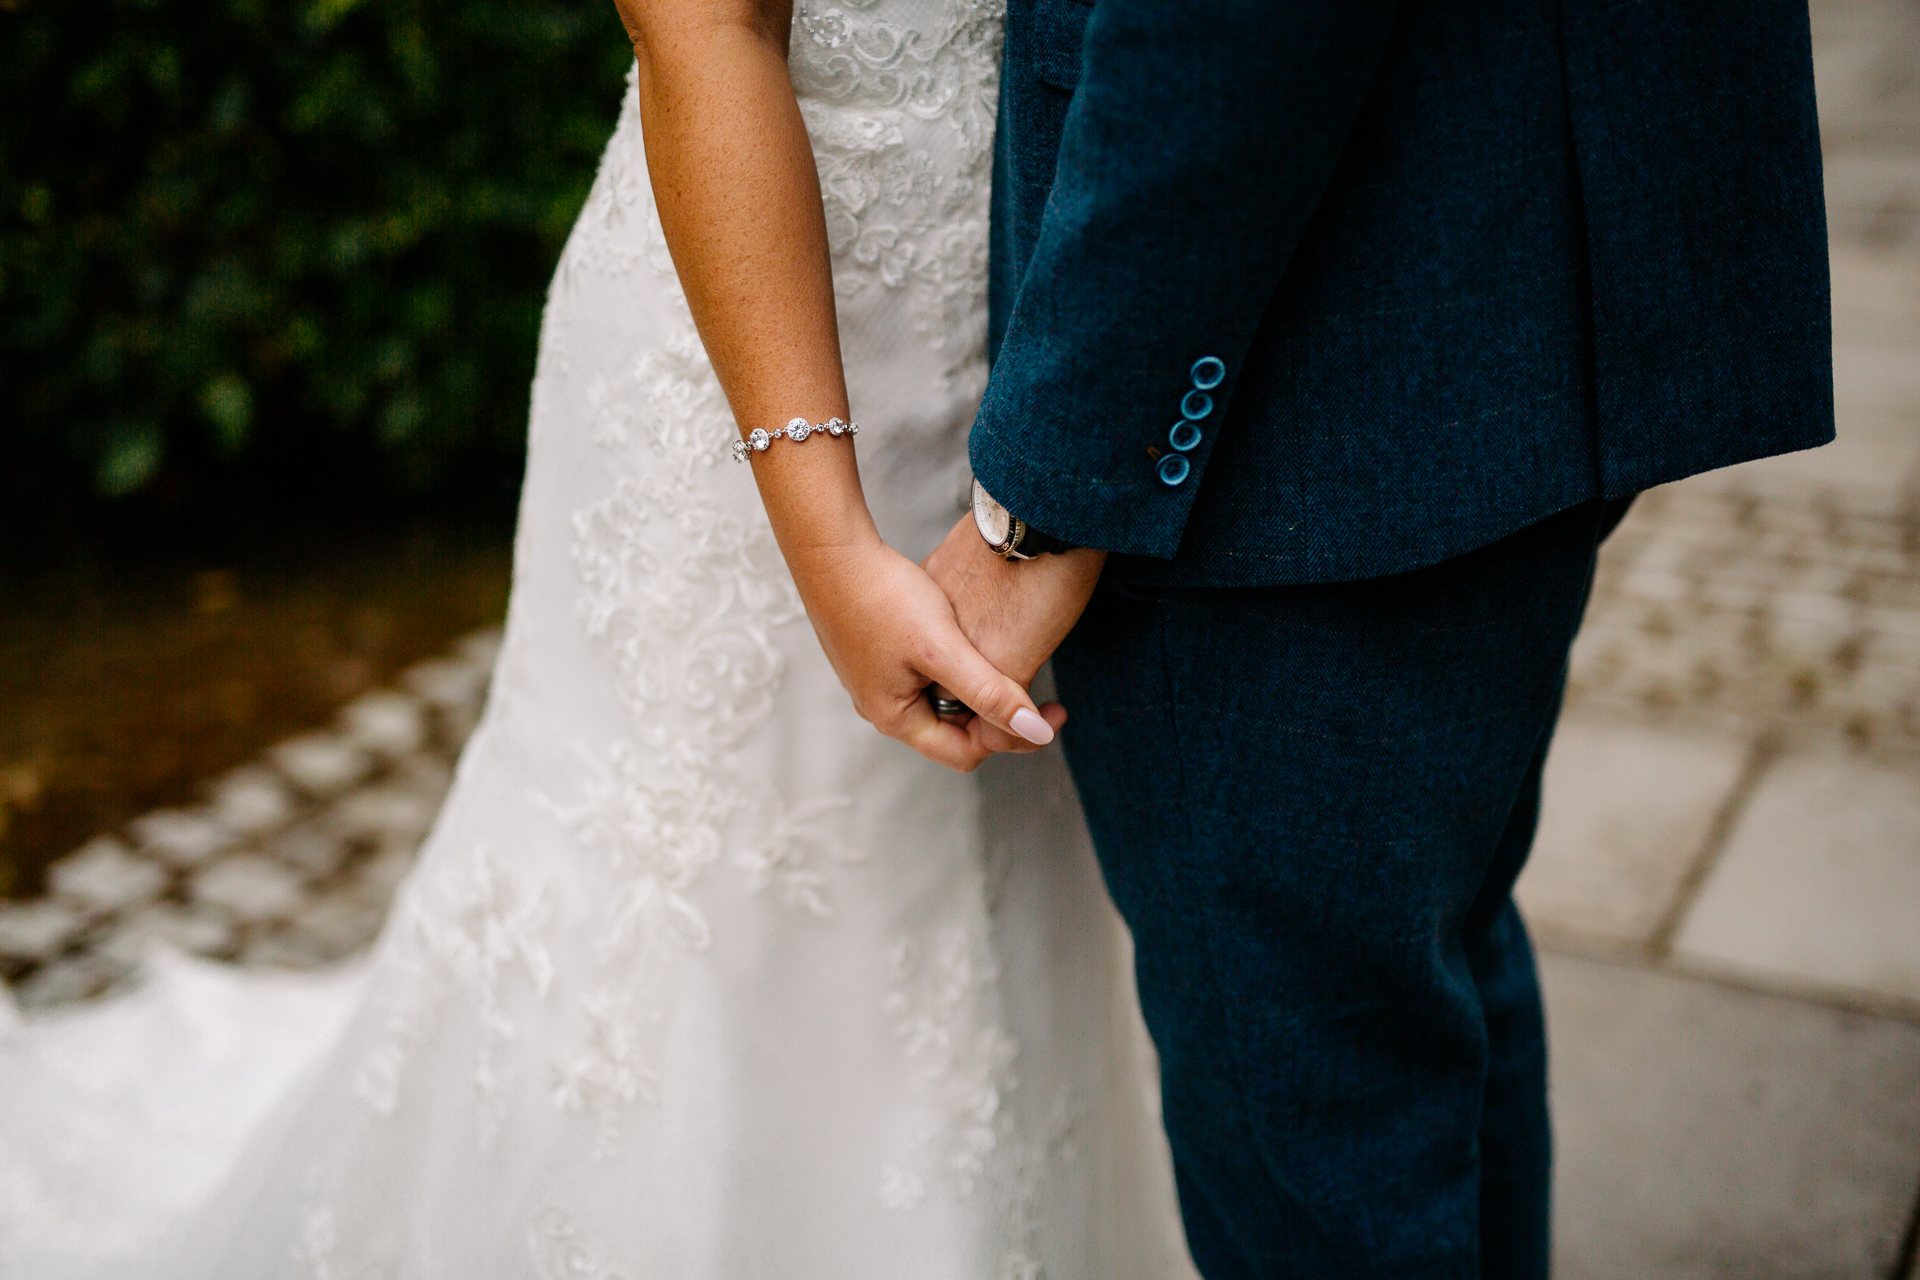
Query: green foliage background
(251, 248)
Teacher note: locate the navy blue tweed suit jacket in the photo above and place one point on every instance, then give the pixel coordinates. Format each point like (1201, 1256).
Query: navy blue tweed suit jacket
(1462, 264)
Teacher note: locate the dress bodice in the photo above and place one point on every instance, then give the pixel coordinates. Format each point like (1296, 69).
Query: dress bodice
(899, 98)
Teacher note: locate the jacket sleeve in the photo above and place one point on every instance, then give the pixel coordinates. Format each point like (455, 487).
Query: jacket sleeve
(1197, 143)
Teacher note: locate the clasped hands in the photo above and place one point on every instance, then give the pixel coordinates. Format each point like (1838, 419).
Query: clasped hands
(965, 619)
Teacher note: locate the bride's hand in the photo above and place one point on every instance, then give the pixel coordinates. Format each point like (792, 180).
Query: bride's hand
(890, 632)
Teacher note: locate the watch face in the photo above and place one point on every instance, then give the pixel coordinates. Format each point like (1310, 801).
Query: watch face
(995, 521)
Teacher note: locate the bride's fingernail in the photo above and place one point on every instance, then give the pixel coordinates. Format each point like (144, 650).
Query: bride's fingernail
(1030, 726)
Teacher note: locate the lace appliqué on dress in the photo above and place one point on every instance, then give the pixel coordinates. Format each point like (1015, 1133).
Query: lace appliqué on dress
(897, 219)
(556, 1253)
(656, 834)
(464, 932)
(685, 598)
(962, 1067)
(608, 1073)
(784, 857)
(961, 1062)
(618, 231)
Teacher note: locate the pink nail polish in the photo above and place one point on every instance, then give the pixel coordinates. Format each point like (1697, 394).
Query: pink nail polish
(1030, 726)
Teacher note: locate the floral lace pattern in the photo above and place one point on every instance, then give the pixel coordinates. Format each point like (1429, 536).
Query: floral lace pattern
(555, 1251)
(896, 220)
(618, 230)
(684, 599)
(655, 836)
(466, 930)
(314, 1247)
(608, 1073)
(783, 857)
(961, 1062)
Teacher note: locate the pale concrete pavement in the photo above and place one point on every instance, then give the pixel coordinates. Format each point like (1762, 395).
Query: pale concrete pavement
(1727, 879)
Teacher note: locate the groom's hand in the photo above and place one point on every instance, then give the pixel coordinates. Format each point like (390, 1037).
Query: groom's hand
(1016, 612)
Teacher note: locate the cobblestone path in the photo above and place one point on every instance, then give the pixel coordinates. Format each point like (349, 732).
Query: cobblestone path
(291, 861)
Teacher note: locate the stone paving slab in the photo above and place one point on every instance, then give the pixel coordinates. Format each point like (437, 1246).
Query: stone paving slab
(1790, 610)
(1866, 75)
(1819, 885)
(1876, 294)
(1706, 1133)
(1626, 811)
(1873, 193)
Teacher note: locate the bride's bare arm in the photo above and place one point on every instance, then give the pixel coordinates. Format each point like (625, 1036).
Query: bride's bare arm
(739, 199)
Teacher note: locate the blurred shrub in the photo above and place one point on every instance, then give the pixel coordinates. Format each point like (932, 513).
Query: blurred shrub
(244, 240)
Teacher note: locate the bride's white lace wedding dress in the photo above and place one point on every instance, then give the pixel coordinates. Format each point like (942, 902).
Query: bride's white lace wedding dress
(697, 976)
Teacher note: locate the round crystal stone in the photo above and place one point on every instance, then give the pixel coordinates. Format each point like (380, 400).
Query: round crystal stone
(759, 438)
(799, 429)
(835, 427)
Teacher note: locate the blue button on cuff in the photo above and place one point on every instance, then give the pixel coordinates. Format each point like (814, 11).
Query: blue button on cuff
(1196, 405)
(1185, 436)
(1208, 373)
(1174, 469)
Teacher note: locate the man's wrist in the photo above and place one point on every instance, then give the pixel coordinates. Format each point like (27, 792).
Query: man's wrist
(1010, 537)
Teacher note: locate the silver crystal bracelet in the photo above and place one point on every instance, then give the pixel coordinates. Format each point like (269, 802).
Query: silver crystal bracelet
(799, 429)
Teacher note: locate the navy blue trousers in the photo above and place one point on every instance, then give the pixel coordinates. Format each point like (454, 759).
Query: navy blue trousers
(1311, 803)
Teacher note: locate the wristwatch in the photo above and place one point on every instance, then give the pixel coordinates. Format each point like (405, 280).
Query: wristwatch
(1010, 537)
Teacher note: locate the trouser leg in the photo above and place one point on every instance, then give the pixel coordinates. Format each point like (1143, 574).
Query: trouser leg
(1516, 1145)
(1310, 803)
